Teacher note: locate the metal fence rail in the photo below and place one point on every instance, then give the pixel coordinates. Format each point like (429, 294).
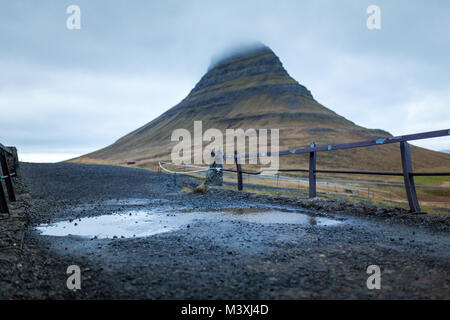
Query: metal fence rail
(407, 172)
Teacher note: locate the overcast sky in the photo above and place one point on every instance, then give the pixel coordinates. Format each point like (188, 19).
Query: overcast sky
(68, 92)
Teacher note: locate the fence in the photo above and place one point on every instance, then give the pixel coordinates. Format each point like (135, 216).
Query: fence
(407, 172)
(7, 177)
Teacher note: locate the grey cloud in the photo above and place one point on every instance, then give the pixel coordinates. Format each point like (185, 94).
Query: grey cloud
(139, 58)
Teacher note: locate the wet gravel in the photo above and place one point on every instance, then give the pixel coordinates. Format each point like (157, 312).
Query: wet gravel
(221, 258)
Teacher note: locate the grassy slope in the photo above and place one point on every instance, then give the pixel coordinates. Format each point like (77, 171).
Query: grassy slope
(255, 101)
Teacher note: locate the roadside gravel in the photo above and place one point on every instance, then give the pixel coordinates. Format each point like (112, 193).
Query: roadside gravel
(215, 259)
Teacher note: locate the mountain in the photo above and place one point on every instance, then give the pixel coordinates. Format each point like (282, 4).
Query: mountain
(252, 89)
(445, 151)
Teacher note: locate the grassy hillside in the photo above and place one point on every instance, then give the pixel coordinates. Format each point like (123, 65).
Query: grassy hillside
(253, 90)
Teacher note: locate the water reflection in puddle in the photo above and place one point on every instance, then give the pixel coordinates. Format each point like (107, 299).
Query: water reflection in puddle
(127, 225)
(267, 216)
(275, 216)
(144, 223)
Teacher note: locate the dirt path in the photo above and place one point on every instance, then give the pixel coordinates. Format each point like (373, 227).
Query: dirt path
(215, 254)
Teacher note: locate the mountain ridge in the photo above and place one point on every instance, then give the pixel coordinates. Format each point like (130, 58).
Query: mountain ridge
(252, 89)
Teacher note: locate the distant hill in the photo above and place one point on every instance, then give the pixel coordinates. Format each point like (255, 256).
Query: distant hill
(445, 151)
(253, 90)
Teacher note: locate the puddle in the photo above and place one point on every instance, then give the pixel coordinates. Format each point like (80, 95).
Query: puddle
(289, 217)
(144, 223)
(233, 210)
(131, 224)
(267, 216)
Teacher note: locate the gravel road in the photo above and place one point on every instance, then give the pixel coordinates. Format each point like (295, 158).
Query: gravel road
(226, 250)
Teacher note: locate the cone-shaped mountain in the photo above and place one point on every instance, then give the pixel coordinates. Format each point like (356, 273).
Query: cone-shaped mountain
(252, 89)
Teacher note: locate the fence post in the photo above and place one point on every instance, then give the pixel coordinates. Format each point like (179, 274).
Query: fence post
(14, 161)
(8, 179)
(3, 203)
(410, 187)
(312, 173)
(239, 171)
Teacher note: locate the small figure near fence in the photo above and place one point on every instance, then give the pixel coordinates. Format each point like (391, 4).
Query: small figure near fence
(214, 176)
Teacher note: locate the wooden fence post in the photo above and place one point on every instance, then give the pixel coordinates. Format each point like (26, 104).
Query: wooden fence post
(14, 161)
(312, 173)
(408, 177)
(239, 171)
(3, 203)
(8, 179)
